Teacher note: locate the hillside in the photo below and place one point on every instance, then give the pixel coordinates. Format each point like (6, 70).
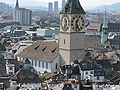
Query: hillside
(114, 7)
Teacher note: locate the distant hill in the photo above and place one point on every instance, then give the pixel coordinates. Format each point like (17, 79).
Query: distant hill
(114, 7)
(36, 8)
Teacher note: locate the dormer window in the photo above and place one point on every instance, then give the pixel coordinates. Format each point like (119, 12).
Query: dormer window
(53, 50)
(44, 48)
(36, 47)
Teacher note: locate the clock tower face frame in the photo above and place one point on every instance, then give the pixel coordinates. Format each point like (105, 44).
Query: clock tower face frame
(72, 22)
(65, 22)
(77, 23)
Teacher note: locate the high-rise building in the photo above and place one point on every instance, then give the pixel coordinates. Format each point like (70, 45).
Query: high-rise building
(22, 15)
(56, 6)
(50, 6)
(72, 35)
(5, 8)
(63, 3)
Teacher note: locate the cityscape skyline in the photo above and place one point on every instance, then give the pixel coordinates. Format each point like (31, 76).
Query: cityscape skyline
(58, 45)
(85, 4)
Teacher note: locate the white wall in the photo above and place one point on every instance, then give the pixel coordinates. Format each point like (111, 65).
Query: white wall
(76, 87)
(40, 69)
(91, 76)
(20, 58)
(87, 75)
(56, 61)
(10, 69)
(101, 79)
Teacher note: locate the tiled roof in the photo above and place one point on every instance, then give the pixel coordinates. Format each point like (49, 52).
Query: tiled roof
(114, 27)
(45, 51)
(93, 42)
(116, 66)
(110, 54)
(2, 68)
(11, 88)
(115, 44)
(94, 27)
(25, 76)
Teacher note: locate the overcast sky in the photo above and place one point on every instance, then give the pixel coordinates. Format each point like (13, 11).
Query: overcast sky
(84, 3)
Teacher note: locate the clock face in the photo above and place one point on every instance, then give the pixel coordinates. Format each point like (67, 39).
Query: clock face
(65, 22)
(77, 23)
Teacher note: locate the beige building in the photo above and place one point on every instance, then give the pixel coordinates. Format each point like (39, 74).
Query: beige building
(72, 35)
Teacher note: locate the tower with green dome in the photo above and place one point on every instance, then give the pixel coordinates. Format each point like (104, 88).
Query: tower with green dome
(104, 35)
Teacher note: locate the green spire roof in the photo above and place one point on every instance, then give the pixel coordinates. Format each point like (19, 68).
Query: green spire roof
(105, 21)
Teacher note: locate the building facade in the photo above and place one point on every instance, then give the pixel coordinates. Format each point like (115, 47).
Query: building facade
(63, 3)
(71, 45)
(22, 15)
(50, 6)
(43, 56)
(56, 6)
(5, 8)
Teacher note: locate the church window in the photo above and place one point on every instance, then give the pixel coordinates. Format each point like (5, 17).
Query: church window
(42, 64)
(46, 65)
(39, 64)
(32, 62)
(97, 78)
(35, 63)
(56, 66)
(64, 41)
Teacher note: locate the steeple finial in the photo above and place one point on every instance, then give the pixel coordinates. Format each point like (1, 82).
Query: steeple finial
(17, 4)
(105, 21)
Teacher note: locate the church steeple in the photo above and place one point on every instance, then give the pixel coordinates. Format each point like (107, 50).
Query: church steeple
(17, 4)
(72, 35)
(104, 36)
(105, 21)
(72, 7)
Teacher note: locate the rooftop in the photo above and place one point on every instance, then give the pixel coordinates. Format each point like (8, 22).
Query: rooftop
(45, 51)
(72, 7)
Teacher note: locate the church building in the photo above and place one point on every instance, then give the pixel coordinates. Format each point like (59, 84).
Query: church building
(72, 35)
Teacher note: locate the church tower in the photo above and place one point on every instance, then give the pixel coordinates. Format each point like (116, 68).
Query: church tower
(17, 4)
(71, 44)
(104, 35)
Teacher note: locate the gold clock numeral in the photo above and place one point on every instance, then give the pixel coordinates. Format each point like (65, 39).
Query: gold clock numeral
(77, 23)
(65, 22)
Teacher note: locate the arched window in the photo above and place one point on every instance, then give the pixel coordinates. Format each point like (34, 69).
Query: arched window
(56, 66)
